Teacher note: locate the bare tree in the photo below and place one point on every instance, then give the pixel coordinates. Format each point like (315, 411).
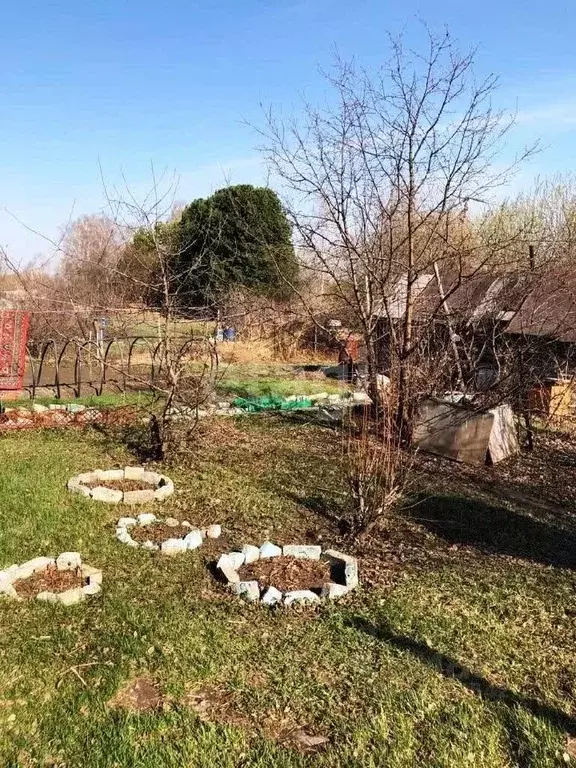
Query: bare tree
(380, 184)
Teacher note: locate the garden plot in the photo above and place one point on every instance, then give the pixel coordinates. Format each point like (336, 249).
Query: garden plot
(64, 579)
(169, 536)
(295, 573)
(131, 485)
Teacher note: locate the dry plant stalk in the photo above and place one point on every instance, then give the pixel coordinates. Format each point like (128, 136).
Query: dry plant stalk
(377, 470)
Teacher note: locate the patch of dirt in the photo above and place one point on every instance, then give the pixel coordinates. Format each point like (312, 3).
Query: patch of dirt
(138, 695)
(287, 573)
(50, 580)
(215, 705)
(122, 485)
(158, 532)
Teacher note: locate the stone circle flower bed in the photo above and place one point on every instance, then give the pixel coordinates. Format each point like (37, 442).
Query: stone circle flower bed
(169, 536)
(64, 579)
(131, 485)
(295, 573)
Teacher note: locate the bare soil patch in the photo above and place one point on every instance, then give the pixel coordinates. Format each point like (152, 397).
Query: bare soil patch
(121, 485)
(158, 532)
(138, 695)
(287, 573)
(50, 580)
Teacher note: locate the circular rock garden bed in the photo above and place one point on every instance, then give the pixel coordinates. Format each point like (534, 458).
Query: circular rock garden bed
(295, 573)
(64, 579)
(170, 536)
(131, 485)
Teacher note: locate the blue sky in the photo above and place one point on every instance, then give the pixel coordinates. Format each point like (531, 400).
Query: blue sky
(126, 84)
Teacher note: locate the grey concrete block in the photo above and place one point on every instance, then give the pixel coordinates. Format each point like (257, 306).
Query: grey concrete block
(272, 596)
(173, 546)
(193, 540)
(251, 553)
(144, 496)
(249, 590)
(300, 596)
(214, 531)
(268, 549)
(332, 591)
(228, 571)
(68, 561)
(146, 518)
(107, 495)
(303, 551)
(111, 475)
(344, 567)
(236, 559)
(133, 473)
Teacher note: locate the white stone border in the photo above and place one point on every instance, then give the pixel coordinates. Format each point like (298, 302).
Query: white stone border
(67, 561)
(192, 540)
(344, 567)
(162, 486)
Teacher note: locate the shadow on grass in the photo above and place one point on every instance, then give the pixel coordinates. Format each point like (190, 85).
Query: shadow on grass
(461, 520)
(450, 668)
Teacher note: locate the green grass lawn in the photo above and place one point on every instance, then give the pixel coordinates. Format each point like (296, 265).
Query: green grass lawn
(448, 656)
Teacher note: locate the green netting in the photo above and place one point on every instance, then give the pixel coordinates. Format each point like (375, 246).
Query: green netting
(271, 403)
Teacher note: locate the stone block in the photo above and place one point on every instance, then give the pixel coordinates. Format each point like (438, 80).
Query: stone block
(251, 553)
(93, 588)
(344, 567)
(133, 473)
(145, 496)
(173, 546)
(88, 477)
(272, 596)
(193, 540)
(75, 486)
(171, 522)
(332, 591)
(162, 493)
(152, 478)
(23, 572)
(361, 398)
(269, 550)
(146, 518)
(68, 561)
(249, 590)
(300, 596)
(214, 531)
(150, 546)
(94, 575)
(236, 559)
(111, 475)
(39, 408)
(71, 596)
(123, 536)
(126, 522)
(303, 551)
(47, 597)
(227, 569)
(56, 407)
(107, 495)
(39, 563)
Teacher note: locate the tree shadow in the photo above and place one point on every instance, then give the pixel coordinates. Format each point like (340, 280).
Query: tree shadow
(322, 506)
(463, 520)
(452, 669)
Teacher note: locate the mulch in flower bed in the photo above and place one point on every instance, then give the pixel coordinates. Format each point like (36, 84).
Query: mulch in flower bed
(287, 573)
(158, 532)
(50, 580)
(122, 485)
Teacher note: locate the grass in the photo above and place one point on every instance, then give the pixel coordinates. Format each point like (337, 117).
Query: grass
(448, 657)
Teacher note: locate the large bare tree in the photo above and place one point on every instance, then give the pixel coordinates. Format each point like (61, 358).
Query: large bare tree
(380, 182)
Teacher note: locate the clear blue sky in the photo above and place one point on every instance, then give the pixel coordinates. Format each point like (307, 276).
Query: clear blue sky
(128, 83)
